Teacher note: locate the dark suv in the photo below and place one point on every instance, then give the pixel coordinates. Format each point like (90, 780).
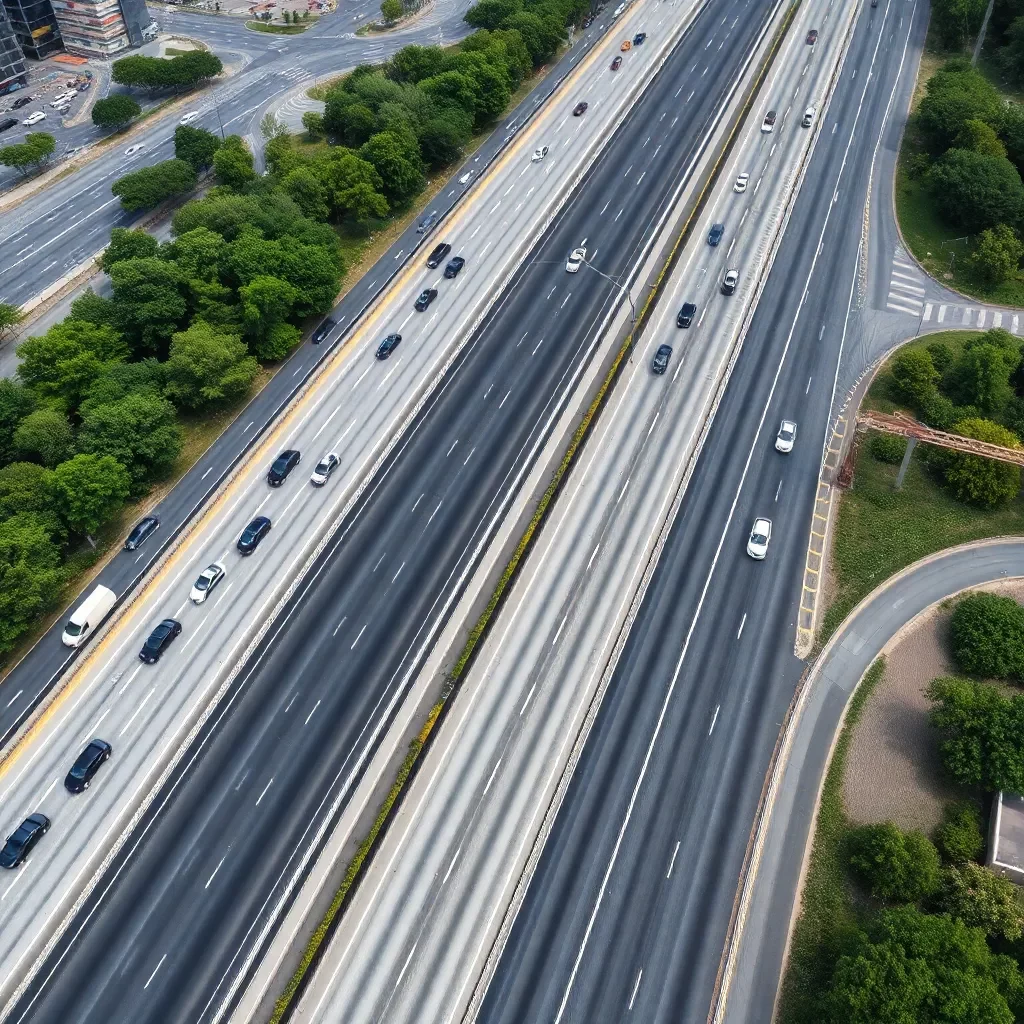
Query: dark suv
(388, 345)
(159, 640)
(22, 839)
(22, 101)
(455, 264)
(659, 364)
(87, 765)
(143, 528)
(253, 534)
(283, 465)
(686, 314)
(440, 251)
(427, 296)
(7, 123)
(325, 328)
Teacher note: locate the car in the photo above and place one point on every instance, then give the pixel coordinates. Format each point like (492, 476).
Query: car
(83, 86)
(741, 182)
(812, 37)
(686, 313)
(616, 64)
(132, 150)
(639, 38)
(808, 119)
(282, 466)
(760, 534)
(35, 118)
(539, 154)
(326, 326)
(730, 281)
(465, 177)
(715, 234)
(426, 297)
(576, 259)
(250, 537)
(427, 223)
(786, 437)
(22, 839)
(142, 529)
(768, 124)
(189, 117)
(626, 45)
(659, 364)
(159, 640)
(8, 123)
(208, 579)
(579, 109)
(439, 252)
(62, 101)
(89, 760)
(324, 468)
(455, 264)
(388, 345)
(21, 101)
(874, 3)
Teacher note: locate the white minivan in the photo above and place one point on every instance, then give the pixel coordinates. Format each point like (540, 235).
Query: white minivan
(87, 616)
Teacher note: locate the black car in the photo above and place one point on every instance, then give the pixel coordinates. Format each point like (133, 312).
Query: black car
(159, 640)
(580, 108)
(253, 534)
(427, 223)
(388, 345)
(812, 37)
(427, 296)
(24, 101)
(616, 64)
(440, 251)
(325, 328)
(7, 123)
(715, 234)
(639, 38)
(455, 264)
(659, 364)
(283, 465)
(22, 839)
(143, 528)
(87, 765)
(686, 314)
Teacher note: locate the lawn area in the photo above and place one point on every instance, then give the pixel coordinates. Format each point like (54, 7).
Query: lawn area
(279, 30)
(828, 913)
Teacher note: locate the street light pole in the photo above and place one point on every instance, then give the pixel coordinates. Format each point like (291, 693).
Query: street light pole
(216, 105)
(629, 298)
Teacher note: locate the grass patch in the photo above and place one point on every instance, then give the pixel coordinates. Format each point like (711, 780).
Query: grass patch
(828, 914)
(280, 30)
(174, 51)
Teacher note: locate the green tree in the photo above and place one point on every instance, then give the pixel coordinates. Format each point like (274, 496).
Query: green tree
(977, 191)
(397, 163)
(888, 448)
(896, 866)
(959, 837)
(308, 192)
(914, 376)
(271, 127)
(150, 303)
(139, 431)
(44, 436)
(982, 733)
(956, 94)
(233, 164)
(492, 13)
(942, 356)
(412, 64)
(199, 253)
(957, 21)
(391, 11)
(981, 137)
(981, 899)
(196, 66)
(453, 88)
(90, 490)
(41, 145)
(981, 376)
(149, 186)
(196, 146)
(997, 254)
(30, 575)
(128, 244)
(118, 380)
(16, 402)
(115, 112)
(27, 487)
(987, 635)
(976, 479)
(313, 122)
(353, 124)
(35, 150)
(205, 367)
(266, 302)
(1011, 55)
(10, 319)
(93, 308)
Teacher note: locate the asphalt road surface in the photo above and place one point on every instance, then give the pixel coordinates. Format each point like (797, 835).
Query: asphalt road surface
(185, 912)
(628, 910)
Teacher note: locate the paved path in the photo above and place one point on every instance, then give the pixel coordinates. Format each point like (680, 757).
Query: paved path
(861, 638)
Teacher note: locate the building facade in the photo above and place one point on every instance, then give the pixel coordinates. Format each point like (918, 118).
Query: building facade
(12, 60)
(35, 26)
(100, 28)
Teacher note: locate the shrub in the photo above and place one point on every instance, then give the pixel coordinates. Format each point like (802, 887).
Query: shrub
(895, 866)
(979, 480)
(942, 355)
(987, 635)
(888, 447)
(984, 900)
(959, 837)
(914, 376)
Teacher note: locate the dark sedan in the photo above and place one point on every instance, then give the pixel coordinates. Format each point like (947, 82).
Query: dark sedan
(87, 765)
(427, 296)
(659, 364)
(7, 123)
(616, 64)
(580, 108)
(812, 37)
(639, 38)
(22, 839)
(715, 234)
(283, 465)
(159, 640)
(253, 534)
(455, 264)
(440, 251)
(427, 223)
(686, 313)
(388, 345)
(143, 528)
(325, 328)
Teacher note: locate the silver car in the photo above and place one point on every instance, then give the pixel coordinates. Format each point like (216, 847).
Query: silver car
(786, 437)
(208, 579)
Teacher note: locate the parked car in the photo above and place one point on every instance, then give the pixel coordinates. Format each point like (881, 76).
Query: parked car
(35, 118)
(324, 468)
(686, 313)
(21, 101)
(7, 123)
(438, 254)
(208, 579)
(159, 640)
(659, 364)
(455, 264)
(251, 536)
(326, 326)
(142, 529)
(388, 345)
(760, 535)
(82, 771)
(282, 466)
(20, 842)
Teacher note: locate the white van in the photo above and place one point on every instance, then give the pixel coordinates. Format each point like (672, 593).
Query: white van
(618, 10)
(64, 97)
(87, 616)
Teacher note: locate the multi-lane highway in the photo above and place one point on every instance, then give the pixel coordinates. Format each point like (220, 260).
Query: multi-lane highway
(299, 723)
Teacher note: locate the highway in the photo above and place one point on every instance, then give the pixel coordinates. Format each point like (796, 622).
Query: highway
(185, 911)
(629, 908)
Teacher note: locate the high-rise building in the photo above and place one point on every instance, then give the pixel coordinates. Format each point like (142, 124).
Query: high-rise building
(12, 60)
(35, 25)
(136, 18)
(98, 28)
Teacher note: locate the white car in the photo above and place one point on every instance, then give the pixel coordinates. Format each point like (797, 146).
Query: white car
(760, 534)
(741, 182)
(324, 468)
(768, 124)
(132, 150)
(35, 118)
(208, 579)
(786, 437)
(575, 260)
(808, 118)
(465, 177)
(539, 154)
(189, 117)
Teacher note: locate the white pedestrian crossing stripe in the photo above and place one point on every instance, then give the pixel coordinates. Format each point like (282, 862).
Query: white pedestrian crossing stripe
(906, 285)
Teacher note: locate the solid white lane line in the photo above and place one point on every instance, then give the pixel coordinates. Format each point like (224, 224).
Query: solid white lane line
(672, 862)
(777, 489)
(494, 771)
(344, 619)
(715, 719)
(509, 392)
(354, 642)
(310, 715)
(263, 793)
(397, 574)
(451, 866)
(527, 701)
(127, 725)
(14, 698)
(742, 624)
(450, 450)
(155, 969)
(636, 987)
(215, 870)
